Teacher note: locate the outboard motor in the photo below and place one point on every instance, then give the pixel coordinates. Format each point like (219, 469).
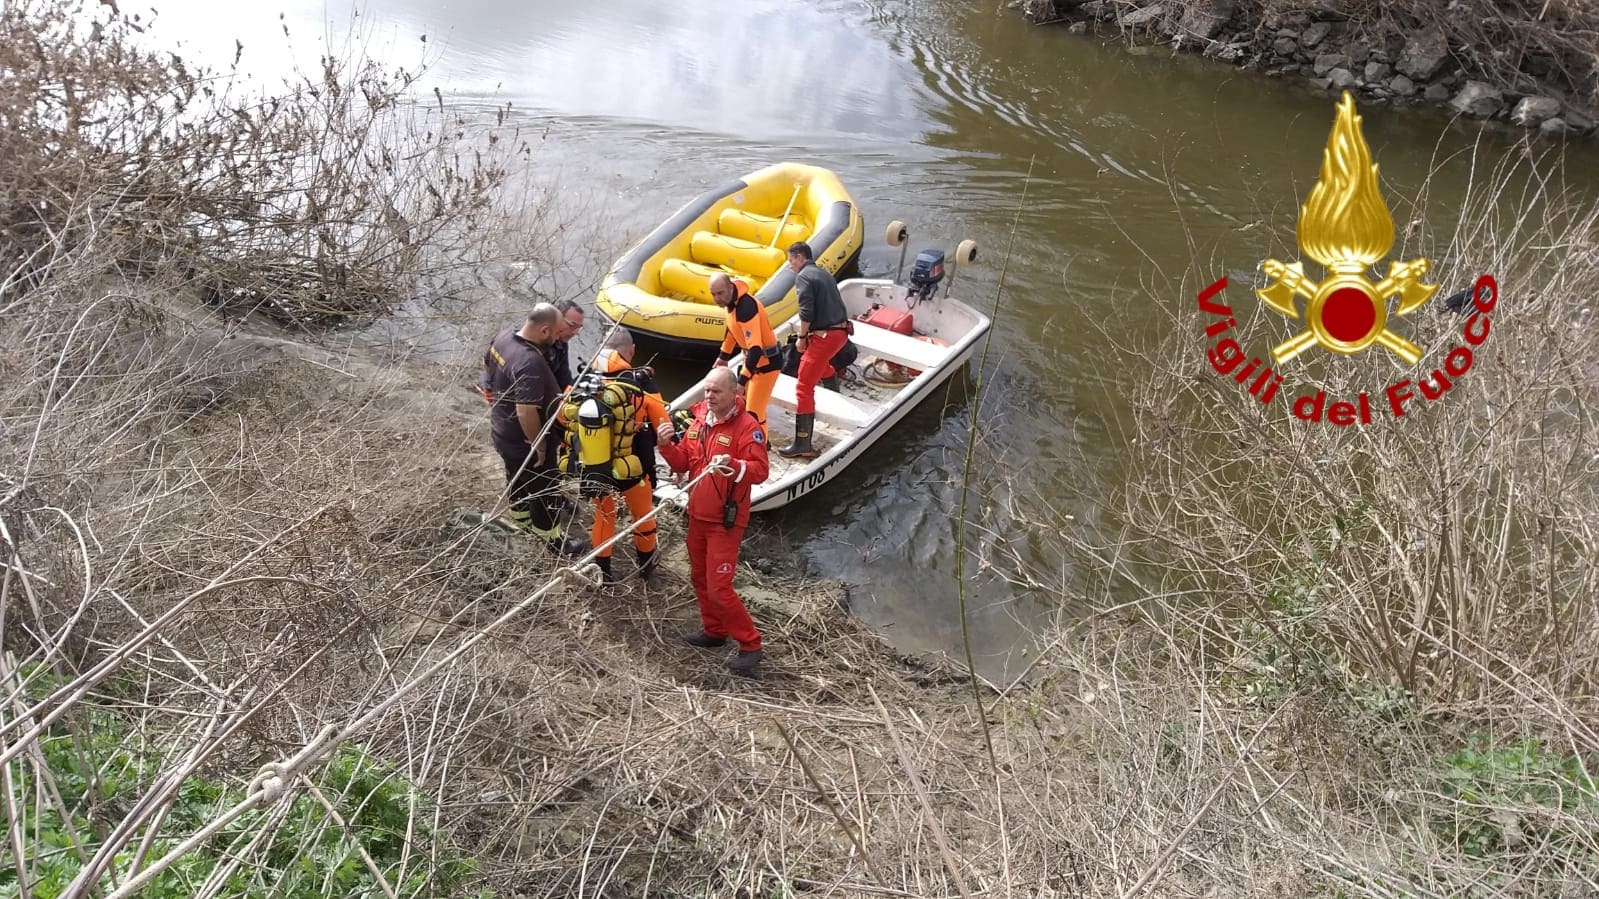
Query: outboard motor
(927, 273)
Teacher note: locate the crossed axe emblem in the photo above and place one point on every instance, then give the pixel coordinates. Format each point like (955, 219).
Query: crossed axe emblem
(1347, 312)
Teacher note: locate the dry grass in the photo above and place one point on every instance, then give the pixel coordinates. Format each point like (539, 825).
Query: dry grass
(580, 736)
(1410, 604)
(233, 540)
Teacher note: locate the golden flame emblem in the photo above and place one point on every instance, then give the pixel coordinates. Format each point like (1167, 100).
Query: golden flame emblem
(1347, 228)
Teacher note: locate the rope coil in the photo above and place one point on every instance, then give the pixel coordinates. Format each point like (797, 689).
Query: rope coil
(271, 781)
(586, 574)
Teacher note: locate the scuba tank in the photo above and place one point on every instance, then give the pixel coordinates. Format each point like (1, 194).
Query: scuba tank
(602, 419)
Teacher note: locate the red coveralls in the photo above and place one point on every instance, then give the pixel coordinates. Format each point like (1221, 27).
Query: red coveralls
(712, 548)
(815, 365)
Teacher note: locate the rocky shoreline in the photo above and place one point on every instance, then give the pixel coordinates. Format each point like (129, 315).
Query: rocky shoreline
(1379, 66)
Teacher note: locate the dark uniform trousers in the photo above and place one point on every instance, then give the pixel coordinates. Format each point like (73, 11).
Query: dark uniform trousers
(533, 490)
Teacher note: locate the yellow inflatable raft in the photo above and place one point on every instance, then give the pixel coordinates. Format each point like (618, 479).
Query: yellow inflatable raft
(660, 289)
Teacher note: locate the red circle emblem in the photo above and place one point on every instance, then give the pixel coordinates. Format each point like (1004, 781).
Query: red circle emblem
(1348, 315)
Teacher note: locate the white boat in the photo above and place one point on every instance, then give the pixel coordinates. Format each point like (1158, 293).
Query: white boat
(892, 374)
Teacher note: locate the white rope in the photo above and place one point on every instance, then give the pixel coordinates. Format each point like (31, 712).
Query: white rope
(64, 698)
(270, 784)
(275, 780)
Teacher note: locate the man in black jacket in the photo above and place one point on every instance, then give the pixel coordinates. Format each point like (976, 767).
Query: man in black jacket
(559, 355)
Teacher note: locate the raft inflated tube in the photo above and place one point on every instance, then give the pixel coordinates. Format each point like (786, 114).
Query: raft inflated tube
(660, 290)
(735, 252)
(702, 320)
(758, 229)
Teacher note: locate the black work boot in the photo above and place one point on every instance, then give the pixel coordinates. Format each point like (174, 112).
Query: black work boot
(646, 564)
(704, 640)
(605, 570)
(745, 661)
(801, 447)
(566, 546)
(831, 383)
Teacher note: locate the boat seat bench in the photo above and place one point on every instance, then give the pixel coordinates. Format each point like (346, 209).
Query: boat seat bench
(831, 406)
(734, 254)
(896, 347)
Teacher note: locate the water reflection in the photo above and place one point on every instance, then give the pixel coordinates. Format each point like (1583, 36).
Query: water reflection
(759, 69)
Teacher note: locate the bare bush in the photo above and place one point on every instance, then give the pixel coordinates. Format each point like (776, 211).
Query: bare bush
(323, 201)
(1424, 581)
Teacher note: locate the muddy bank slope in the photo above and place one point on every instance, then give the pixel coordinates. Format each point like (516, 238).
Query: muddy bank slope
(579, 749)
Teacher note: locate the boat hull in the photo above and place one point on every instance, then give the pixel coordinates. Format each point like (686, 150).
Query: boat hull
(829, 465)
(854, 424)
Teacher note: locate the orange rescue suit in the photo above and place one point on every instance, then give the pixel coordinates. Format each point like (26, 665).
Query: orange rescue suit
(749, 330)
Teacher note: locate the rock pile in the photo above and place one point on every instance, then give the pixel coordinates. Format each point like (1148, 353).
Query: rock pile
(1414, 69)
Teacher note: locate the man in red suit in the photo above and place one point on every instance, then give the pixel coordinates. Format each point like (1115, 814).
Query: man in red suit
(723, 436)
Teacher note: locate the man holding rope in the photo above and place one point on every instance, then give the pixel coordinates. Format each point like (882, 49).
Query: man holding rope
(729, 440)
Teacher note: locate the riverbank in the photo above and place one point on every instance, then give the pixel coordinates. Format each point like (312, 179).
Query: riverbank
(1529, 66)
(228, 526)
(580, 750)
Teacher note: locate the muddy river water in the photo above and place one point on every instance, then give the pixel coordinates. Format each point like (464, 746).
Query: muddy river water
(1148, 171)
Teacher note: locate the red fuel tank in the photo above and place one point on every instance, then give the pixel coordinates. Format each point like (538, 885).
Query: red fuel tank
(889, 319)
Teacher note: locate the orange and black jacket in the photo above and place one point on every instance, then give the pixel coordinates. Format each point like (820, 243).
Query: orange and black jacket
(749, 329)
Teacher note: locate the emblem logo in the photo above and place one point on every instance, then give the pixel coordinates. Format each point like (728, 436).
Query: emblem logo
(1346, 226)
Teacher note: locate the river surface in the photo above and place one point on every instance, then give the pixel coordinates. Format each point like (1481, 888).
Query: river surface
(1145, 176)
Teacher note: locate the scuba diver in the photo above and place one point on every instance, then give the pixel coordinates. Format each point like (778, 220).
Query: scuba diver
(611, 415)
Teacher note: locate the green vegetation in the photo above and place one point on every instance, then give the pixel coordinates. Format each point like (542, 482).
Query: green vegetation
(86, 776)
(1507, 798)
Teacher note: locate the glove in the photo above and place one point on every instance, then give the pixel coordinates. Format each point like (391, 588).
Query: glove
(682, 420)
